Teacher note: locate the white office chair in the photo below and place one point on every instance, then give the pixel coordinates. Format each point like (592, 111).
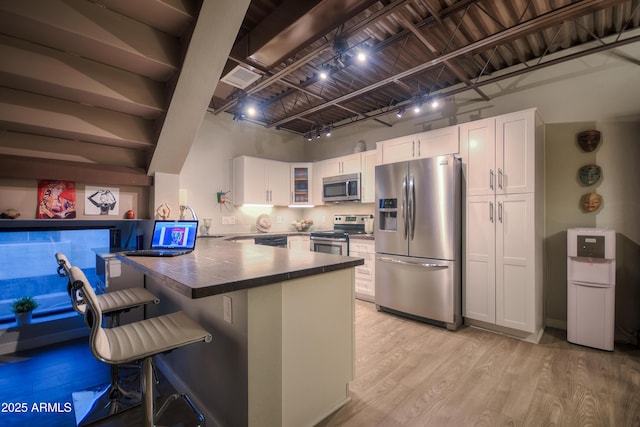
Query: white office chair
(119, 394)
(138, 341)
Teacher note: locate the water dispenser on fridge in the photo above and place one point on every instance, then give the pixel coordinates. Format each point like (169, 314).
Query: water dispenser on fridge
(591, 280)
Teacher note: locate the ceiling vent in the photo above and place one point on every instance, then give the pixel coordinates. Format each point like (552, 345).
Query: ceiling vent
(240, 77)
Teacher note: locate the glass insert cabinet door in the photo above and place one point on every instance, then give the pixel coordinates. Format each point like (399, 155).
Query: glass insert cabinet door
(301, 183)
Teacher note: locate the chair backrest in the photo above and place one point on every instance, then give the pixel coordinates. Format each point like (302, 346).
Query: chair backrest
(93, 316)
(64, 270)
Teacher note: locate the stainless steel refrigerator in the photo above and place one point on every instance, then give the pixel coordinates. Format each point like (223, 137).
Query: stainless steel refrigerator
(418, 239)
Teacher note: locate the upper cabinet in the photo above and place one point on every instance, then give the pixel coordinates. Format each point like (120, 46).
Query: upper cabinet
(369, 161)
(498, 154)
(301, 183)
(351, 163)
(478, 143)
(426, 144)
(260, 181)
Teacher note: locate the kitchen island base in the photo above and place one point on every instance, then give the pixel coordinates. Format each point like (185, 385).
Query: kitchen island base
(285, 359)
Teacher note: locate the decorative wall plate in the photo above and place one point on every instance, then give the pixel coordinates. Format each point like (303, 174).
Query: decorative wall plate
(263, 223)
(589, 140)
(591, 202)
(590, 174)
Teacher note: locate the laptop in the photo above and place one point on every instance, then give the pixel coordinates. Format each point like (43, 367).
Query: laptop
(170, 238)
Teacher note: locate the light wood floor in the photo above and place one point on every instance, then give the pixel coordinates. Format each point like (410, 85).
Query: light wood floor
(407, 374)
(413, 374)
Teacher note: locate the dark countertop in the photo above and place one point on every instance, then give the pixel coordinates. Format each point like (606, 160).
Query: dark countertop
(218, 266)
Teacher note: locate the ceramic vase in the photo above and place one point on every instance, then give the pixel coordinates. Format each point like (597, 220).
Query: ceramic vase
(23, 318)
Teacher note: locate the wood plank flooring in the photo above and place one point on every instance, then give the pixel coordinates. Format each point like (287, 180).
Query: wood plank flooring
(413, 374)
(407, 374)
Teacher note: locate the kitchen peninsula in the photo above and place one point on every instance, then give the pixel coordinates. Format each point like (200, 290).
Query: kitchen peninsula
(282, 323)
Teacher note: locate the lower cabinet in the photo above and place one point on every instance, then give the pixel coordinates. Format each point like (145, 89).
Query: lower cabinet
(503, 274)
(299, 243)
(365, 274)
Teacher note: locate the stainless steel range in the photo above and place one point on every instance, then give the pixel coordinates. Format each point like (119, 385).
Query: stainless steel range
(336, 241)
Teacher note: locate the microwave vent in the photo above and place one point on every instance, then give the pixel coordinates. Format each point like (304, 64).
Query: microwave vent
(240, 77)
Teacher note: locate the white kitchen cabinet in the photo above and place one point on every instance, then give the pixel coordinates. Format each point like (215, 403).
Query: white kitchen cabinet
(365, 277)
(351, 163)
(500, 260)
(479, 300)
(299, 243)
(502, 287)
(318, 174)
(421, 145)
(301, 183)
(369, 160)
(515, 273)
(260, 181)
(478, 143)
(497, 153)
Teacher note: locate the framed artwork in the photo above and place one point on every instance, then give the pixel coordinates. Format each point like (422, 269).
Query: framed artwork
(101, 201)
(56, 199)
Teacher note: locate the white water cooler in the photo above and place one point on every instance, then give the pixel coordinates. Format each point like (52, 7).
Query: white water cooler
(591, 287)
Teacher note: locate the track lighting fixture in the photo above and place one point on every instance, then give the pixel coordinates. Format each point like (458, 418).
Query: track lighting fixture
(328, 134)
(400, 112)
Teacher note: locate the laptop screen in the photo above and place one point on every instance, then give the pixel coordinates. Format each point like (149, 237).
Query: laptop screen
(174, 234)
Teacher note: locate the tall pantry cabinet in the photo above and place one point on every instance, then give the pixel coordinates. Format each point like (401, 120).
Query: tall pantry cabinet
(503, 167)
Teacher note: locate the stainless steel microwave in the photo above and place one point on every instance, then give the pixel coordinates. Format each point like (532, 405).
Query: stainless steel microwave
(341, 188)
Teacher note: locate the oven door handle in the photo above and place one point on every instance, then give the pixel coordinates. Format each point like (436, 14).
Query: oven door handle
(329, 239)
(428, 266)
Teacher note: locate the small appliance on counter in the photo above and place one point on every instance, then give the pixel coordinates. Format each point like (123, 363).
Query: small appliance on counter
(336, 241)
(591, 287)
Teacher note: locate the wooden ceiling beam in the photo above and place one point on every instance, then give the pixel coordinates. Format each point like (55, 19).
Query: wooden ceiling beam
(88, 173)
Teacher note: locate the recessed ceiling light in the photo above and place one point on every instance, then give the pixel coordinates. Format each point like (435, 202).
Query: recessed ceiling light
(362, 57)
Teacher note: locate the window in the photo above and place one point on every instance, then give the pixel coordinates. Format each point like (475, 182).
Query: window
(29, 267)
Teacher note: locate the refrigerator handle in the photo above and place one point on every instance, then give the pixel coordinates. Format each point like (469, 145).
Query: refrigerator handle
(404, 207)
(412, 206)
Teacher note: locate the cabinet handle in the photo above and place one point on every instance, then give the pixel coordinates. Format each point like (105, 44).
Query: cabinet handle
(500, 178)
(266, 195)
(491, 179)
(419, 148)
(270, 196)
(491, 211)
(413, 148)
(500, 211)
